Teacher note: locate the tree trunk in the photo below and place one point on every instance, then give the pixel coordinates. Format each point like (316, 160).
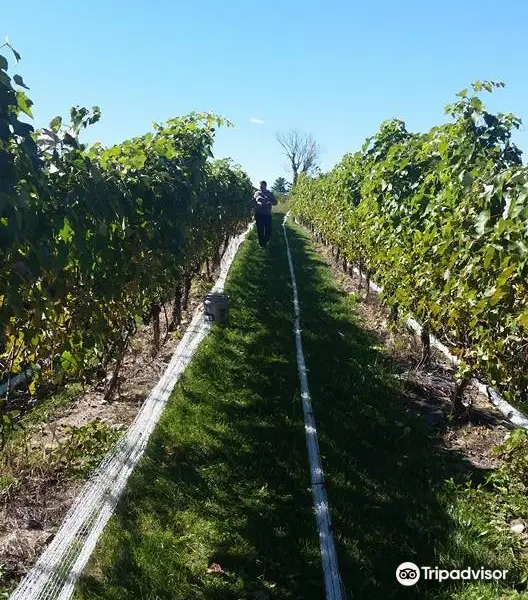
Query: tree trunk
(186, 292)
(394, 313)
(426, 346)
(114, 379)
(459, 408)
(176, 308)
(216, 259)
(167, 324)
(156, 310)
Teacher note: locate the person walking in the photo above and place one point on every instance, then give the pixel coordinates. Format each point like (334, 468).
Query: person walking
(263, 200)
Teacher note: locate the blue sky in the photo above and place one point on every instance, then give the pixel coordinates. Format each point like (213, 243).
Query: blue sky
(332, 68)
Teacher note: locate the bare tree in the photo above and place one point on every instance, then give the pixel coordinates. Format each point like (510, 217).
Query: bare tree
(302, 151)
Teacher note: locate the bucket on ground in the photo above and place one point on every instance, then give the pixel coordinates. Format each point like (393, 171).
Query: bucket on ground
(216, 308)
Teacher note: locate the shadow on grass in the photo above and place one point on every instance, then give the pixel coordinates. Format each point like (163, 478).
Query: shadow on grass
(385, 467)
(225, 475)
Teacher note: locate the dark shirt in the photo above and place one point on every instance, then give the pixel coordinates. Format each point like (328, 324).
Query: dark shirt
(263, 201)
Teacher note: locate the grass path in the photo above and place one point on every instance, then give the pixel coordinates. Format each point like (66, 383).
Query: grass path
(225, 476)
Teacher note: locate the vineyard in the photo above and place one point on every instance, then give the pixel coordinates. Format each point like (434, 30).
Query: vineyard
(440, 220)
(94, 240)
(107, 253)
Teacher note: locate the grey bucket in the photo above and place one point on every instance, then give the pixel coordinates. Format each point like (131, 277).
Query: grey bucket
(216, 307)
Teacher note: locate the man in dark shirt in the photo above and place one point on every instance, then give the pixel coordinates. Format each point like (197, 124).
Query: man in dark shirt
(263, 200)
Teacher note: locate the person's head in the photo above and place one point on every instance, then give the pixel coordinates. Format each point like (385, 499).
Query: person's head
(263, 186)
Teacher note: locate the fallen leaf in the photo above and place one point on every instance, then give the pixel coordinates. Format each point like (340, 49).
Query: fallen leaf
(215, 568)
(517, 526)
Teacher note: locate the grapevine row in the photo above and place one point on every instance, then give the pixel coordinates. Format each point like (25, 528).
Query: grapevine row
(94, 239)
(440, 220)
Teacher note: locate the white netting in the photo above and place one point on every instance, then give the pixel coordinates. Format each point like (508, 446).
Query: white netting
(58, 568)
(332, 578)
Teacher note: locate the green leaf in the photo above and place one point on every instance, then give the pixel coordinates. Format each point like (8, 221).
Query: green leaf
(499, 295)
(466, 179)
(488, 257)
(66, 232)
(5, 80)
(137, 160)
(481, 222)
(21, 129)
(3, 63)
(522, 247)
(70, 140)
(68, 362)
(24, 103)
(505, 275)
(522, 320)
(477, 103)
(463, 93)
(19, 81)
(55, 124)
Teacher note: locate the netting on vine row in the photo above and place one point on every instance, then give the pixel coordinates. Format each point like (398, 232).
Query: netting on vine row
(57, 570)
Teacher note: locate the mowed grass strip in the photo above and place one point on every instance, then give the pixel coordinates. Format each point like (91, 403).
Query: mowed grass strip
(225, 476)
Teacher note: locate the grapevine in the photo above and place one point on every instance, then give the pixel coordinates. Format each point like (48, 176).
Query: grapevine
(95, 239)
(440, 220)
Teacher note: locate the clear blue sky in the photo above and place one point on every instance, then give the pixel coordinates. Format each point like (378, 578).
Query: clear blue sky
(334, 68)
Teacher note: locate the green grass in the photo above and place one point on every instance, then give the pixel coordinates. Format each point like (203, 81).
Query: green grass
(225, 475)
(224, 478)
